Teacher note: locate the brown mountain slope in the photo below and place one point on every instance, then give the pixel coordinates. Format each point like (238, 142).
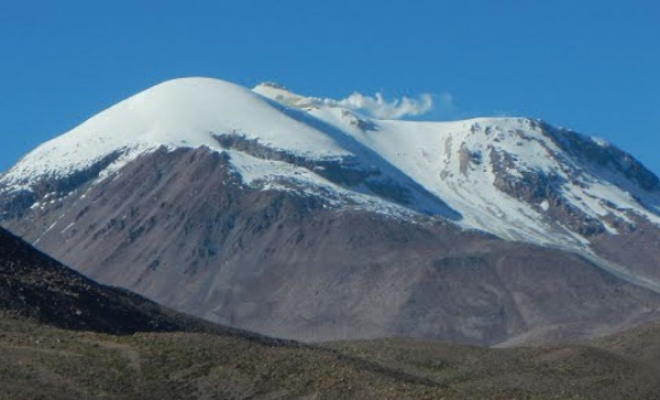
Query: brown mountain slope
(36, 287)
(179, 228)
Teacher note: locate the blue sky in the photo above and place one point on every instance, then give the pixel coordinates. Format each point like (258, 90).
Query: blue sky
(593, 66)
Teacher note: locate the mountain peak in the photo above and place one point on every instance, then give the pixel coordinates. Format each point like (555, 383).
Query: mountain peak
(184, 112)
(518, 178)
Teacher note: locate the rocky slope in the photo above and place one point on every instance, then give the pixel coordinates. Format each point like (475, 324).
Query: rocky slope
(34, 286)
(273, 212)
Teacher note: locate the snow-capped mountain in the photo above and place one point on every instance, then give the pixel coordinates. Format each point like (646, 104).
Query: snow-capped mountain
(518, 179)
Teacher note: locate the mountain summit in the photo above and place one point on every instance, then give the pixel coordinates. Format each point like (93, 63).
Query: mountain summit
(277, 212)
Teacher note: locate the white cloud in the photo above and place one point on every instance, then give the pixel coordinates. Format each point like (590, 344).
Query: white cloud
(378, 107)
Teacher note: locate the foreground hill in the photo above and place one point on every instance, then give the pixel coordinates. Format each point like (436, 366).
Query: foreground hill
(277, 213)
(623, 366)
(33, 285)
(39, 361)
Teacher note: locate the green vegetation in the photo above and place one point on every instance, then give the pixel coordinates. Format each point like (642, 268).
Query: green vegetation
(43, 362)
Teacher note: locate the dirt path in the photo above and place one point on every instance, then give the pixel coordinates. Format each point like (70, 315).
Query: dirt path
(134, 361)
(133, 357)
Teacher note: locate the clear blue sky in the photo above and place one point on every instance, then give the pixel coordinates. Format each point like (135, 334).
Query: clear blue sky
(593, 66)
